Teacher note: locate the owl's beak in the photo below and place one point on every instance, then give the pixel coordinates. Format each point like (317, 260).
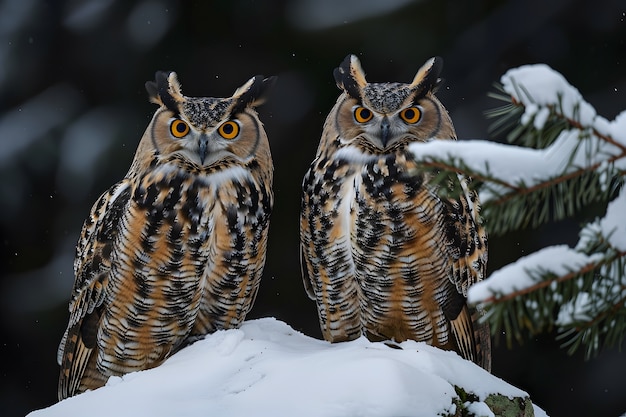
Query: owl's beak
(203, 147)
(384, 130)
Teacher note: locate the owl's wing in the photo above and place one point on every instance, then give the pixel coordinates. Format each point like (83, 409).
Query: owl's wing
(91, 268)
(326, 250)
(305, 233)
(467, 243)
(467, 239)
(306, 279)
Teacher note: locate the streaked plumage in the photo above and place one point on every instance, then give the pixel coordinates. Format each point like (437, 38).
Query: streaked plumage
(382, 254)
(176, 249)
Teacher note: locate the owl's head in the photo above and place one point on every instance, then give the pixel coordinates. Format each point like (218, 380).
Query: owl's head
(205, 131)
(383, 117)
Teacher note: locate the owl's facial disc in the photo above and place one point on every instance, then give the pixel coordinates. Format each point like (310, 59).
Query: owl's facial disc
(377, 129)
(215, 144)
(383, 130)
(204, 145)
(206, 138)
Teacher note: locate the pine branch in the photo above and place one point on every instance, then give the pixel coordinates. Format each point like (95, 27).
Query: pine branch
(550, 183)
(507, 122)
(547, 200)
(514, 206)
(554, 199)
(535, 309)
(440, 169)
(585, 302)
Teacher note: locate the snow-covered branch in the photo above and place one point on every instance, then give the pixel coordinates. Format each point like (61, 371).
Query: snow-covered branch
(563, 157)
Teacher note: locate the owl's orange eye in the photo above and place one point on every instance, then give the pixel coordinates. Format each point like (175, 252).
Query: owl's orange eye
(228, 130)
(411, 115)
(362, 115)
(179, 129)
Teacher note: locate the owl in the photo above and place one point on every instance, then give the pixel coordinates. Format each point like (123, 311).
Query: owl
(382, 254)
(176, 249)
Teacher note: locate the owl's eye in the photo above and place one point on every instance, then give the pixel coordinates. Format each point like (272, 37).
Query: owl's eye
(179, 129)
(411, 115)
(362, 115)
(228, 130)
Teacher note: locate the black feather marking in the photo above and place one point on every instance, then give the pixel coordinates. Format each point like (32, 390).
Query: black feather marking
(89, 329)
(254, 197)
(160, 88)
(431, 80)
(454, 304)
(438, 84)
(232, 218)
(143, 288)
(345, 80)
(107, 231)
(175, 233)
(255, 95)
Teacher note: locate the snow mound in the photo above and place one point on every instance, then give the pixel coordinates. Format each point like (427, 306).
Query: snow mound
(266, 368)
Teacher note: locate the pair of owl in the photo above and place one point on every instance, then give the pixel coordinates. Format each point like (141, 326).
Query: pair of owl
(176, 249)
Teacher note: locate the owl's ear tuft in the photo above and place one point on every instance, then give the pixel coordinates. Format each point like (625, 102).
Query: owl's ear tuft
(350, 77)
(427, 77)
(253, 93)
(165, 90)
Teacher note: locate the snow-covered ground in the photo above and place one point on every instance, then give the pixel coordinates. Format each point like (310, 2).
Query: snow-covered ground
(268, 369)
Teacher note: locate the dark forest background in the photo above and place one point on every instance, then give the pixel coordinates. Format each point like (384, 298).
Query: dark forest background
(73, 108)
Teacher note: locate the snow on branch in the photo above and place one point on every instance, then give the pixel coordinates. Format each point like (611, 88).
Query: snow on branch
(613, 224)
(538, 87)
(589, 143)
(562, 157)
(516, 278)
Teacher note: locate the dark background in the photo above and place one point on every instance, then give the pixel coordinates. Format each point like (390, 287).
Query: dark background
(73, 108)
